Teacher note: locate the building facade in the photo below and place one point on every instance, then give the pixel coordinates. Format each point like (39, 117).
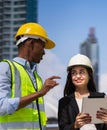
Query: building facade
(90, 48)
(13, 13)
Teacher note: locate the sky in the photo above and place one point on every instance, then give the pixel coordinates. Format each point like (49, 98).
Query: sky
(67, 23)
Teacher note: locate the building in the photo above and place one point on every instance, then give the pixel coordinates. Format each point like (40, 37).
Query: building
(14, 13)
(90, 48)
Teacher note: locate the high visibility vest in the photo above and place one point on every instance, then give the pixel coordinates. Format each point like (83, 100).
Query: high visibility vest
(31, 117)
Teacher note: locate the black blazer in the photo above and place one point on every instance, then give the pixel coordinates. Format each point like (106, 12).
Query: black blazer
(68, 110)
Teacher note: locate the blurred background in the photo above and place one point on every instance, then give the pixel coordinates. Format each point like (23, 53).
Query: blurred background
(76, 26)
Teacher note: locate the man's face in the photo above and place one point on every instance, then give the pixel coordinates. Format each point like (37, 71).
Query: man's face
(37, 50)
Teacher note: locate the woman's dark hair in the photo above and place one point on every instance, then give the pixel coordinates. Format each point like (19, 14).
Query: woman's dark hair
(70, 87)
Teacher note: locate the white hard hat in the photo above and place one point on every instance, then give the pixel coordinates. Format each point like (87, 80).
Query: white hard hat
(80, 59)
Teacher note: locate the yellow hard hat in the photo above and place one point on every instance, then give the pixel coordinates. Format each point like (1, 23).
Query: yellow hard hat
(80, 59)
(35, 29)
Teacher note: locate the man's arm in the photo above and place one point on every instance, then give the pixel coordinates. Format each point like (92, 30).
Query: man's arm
(48, 84)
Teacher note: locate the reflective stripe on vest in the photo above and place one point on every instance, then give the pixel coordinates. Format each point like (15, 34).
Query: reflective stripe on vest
(23, 86)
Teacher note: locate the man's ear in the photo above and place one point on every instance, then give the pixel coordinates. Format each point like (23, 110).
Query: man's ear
(30, 44)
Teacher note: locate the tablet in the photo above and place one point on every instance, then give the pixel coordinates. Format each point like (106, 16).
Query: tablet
(92, 105)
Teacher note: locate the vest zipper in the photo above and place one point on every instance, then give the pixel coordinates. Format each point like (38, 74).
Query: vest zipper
(39, 114)
(37, 104)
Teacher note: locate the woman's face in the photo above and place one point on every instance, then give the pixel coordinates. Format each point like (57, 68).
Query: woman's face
(80, 76)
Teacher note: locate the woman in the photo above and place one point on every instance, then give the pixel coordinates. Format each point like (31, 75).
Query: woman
(79, 84)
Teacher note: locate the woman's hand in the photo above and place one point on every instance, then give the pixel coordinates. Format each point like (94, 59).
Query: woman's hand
(82, 119)
(102, 115)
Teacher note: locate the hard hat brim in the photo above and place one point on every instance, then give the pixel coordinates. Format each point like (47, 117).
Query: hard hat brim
(49, 43)
(70, 67)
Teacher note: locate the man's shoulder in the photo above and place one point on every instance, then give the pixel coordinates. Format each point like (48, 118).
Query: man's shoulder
(4, 67)
(4, 62)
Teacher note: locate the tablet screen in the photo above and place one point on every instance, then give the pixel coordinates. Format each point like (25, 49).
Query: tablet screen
(92, 105)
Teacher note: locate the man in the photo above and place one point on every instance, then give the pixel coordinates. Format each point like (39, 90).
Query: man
(21, 89)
